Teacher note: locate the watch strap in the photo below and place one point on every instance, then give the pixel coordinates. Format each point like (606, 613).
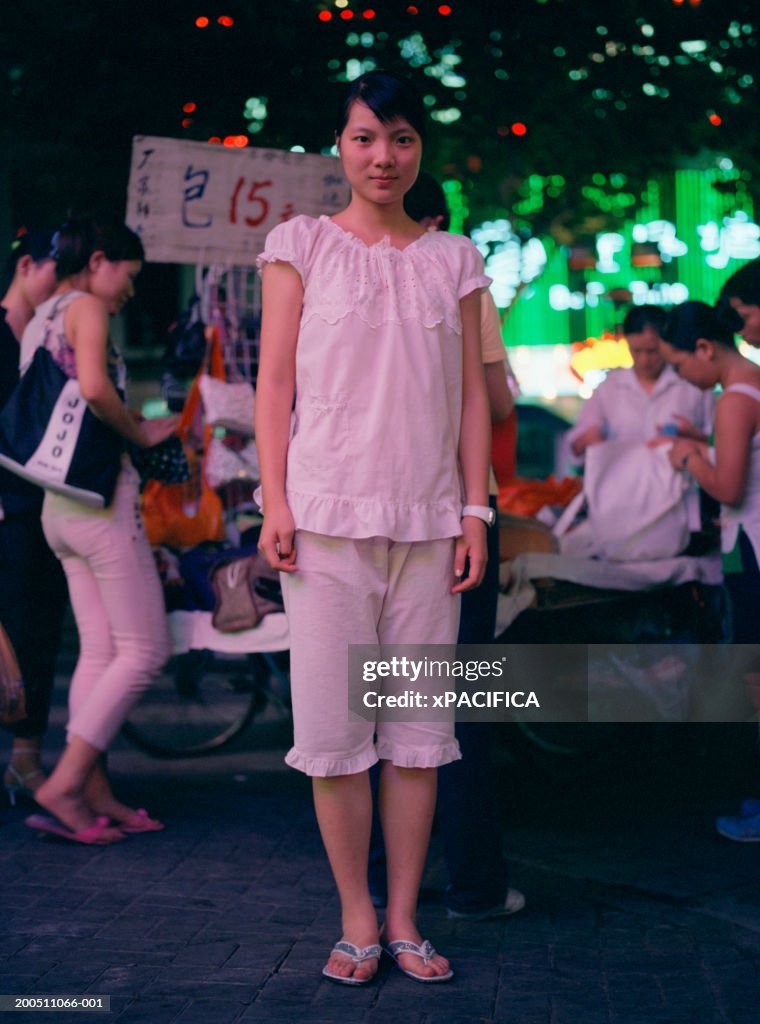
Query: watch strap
(484, 512)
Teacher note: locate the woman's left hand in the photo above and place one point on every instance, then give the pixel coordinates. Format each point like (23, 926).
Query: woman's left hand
(680, 450)
(470, 548)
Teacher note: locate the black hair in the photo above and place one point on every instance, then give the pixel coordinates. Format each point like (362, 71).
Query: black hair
(692, 320)
(426, 198)
(638, 318)
(388, 97)
(76, 241)
(744, 285)
(37, 244)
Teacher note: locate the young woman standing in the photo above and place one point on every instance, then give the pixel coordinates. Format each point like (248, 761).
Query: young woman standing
(375, 509)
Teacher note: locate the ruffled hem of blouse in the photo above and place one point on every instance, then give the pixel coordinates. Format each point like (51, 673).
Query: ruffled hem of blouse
(325, 767)
(419, 757)
(359, 518)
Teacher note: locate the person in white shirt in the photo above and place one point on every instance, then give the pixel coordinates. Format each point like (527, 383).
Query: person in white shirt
(643, 401)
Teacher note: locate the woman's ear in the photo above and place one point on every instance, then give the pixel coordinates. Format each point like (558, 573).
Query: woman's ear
(24, 265)
(705, 349)
(337, 141)
(96, 260)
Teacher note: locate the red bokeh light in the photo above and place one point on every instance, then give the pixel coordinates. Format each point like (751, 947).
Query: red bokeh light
(186, 122)
(444, 9)
(201, 22)
(369, 14)
(189, 108)
(715, 119)
(518, 128)
(226, 21)
(325, 16)
(215, 140)
(346, 15)
(412, 10)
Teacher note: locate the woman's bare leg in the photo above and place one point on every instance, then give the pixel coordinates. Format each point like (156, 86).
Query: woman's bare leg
(344, 811)
(407, 804)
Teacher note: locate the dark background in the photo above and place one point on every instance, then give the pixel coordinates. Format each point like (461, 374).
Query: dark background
(80, 79)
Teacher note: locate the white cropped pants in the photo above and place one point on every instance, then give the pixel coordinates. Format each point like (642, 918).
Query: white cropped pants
(118, 606)
(371, 591)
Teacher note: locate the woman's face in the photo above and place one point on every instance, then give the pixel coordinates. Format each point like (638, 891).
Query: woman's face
(697, 367)
(113, 281)
(381, 161)
(751, 316)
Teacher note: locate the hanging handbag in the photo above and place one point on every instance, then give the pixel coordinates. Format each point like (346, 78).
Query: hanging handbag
(228, 404)
(245, 590)
(49, 436)
(187, 514)
(12, 693)
(225, 464)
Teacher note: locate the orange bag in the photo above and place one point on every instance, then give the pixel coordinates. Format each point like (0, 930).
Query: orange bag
(524, 497)
(185, 515)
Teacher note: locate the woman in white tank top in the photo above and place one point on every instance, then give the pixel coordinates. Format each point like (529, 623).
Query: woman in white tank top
(699, 344)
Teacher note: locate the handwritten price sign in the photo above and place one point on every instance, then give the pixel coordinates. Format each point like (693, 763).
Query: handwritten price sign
(192, 202)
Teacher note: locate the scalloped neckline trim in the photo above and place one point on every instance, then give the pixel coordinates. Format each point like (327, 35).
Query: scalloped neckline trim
(383, 243)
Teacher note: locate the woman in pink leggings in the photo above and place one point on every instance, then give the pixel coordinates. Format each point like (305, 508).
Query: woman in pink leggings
(113, 584)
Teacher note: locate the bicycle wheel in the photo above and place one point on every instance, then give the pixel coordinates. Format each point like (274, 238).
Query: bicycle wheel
(200, 702)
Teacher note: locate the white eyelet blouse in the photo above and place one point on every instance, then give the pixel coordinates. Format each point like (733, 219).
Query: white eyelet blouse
(373, 450)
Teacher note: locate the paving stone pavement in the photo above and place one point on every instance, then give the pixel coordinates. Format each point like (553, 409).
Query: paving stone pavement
(637, 911)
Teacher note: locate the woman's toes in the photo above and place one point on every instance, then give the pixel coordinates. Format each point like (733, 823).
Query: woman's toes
(440, 964)
(341, 965)
(365, 969)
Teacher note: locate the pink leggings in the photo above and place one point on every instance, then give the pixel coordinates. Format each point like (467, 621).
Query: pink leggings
(118, 605)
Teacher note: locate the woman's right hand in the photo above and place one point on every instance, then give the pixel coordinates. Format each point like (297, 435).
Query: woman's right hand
(277, 539)
(157, 430)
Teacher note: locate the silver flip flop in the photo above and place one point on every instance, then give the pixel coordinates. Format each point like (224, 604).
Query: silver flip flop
(424, 951)
(358, 956)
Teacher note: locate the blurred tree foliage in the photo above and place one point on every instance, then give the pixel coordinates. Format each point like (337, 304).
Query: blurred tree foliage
(628, 89)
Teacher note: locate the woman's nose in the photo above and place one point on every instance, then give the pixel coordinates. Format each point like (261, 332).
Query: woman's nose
(383, 155)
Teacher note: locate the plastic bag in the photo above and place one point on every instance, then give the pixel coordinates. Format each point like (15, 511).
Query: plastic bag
(187, 514)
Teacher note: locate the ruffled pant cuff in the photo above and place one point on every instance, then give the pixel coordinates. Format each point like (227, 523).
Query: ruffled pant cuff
(324, 767)
(419, 757)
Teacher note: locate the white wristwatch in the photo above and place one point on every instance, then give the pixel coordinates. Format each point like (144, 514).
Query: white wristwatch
(484, 512)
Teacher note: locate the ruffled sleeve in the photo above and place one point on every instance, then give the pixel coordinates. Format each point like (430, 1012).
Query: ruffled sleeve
(472, 275)
(289, 242)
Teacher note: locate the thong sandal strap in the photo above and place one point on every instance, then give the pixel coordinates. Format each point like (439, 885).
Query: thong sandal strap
(355, 953)
(424, 950)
